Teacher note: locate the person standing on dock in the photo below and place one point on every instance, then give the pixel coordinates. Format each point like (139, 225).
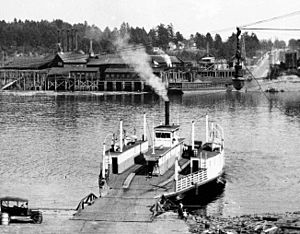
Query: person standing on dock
(180, 211)
(158, 207)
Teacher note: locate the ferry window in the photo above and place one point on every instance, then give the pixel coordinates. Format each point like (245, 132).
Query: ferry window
(162, 135)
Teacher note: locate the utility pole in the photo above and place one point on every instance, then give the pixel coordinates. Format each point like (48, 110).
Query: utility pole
(3, 58)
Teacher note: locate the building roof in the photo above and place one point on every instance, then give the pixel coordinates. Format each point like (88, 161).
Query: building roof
(175, 59)
(120, 70)
(160, 59)
(106, 59)
(73, 57)
(30, 63)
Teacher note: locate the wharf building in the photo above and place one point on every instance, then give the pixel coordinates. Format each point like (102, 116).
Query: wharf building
(71, 69)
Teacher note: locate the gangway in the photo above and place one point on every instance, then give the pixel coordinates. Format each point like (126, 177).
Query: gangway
(11, 83)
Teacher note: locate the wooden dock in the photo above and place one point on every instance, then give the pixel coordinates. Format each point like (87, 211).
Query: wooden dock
(130, 203)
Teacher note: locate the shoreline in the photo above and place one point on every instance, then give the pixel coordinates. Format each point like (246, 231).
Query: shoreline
(69, 93)
(288, 222)
(58, 221)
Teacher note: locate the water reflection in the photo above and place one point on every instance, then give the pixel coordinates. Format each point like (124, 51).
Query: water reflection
(51, 144)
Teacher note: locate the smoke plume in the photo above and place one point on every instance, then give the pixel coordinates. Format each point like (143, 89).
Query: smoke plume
(165, 57)
(137, 58)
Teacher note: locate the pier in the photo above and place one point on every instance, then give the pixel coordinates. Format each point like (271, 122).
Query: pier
(129, 200)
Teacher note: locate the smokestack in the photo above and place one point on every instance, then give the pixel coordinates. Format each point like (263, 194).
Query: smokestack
(58, 38)
(121, 135)
(76, 40)
(91, 49)
(58, 42)
(72, 39)
(193, 135)
(167, 113)
(68, 40)
(145, 128)
(62, 40)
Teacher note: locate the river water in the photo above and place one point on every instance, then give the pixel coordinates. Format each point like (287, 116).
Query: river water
(51, 144)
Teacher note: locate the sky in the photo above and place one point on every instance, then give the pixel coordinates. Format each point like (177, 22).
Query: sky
(187, 16)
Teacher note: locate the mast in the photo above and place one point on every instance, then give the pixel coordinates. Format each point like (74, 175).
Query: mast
(238, 80)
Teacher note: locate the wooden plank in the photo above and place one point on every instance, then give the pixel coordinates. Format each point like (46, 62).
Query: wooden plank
(128, 180)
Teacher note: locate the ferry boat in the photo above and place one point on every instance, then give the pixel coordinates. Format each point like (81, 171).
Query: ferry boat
(167, 161)
(210, 74)
(206, 162)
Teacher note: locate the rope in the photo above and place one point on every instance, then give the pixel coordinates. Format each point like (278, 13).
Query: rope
(265, 95)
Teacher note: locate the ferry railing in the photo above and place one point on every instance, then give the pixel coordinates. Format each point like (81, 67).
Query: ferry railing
(191, 179)
(88, 200)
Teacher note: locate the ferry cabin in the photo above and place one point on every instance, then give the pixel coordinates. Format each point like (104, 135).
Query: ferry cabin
(123, 158)
(121, 155)
(206, 161)
(167, 147)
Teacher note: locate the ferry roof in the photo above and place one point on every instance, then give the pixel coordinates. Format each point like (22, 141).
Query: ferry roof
(160, 151)
(168, 128)
(9, 198)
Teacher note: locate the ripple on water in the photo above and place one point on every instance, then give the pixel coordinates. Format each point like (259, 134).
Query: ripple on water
(51, 145)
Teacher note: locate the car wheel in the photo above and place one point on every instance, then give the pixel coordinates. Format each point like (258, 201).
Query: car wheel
(37, 218)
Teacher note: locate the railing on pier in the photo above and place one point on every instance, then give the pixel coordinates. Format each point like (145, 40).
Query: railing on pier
(88, 200)
(196, 85)
(190, 180)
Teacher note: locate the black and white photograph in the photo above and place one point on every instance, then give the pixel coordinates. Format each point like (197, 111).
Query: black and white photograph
(154, 117)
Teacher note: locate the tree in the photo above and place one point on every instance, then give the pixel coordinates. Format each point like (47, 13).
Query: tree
(230, 47)
(279, 44)
(200, 41)
(163, 36)
(178, 37)
(209, 40)
(266, 45)
(124, 29)
(251, 44)
(153, 37)
(218, 46)
(293, 44)
(170, 32)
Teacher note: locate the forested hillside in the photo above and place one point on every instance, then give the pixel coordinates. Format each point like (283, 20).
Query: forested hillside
(39, 38)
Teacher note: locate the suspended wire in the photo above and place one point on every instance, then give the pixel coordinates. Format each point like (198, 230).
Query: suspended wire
(273, 29)
(257, 22)
(271, 19)
(224, 30)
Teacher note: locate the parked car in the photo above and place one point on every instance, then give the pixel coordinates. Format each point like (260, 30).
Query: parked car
(17, 208)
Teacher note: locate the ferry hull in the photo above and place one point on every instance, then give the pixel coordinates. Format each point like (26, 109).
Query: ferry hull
(213, 183)
(203, 195)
